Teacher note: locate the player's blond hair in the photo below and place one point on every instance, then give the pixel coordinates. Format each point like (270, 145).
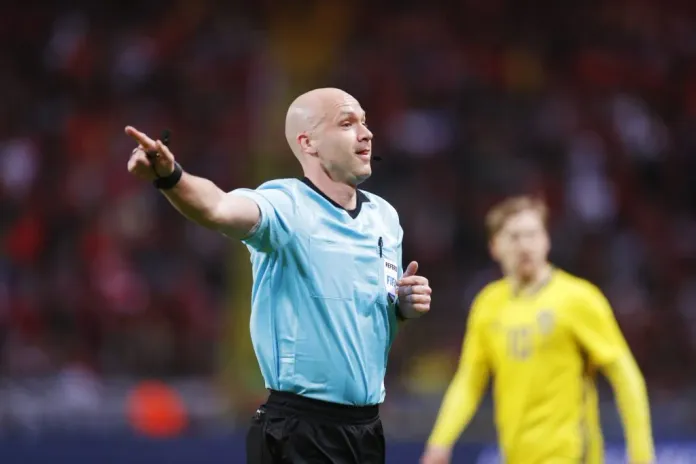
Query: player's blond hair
(502, 211)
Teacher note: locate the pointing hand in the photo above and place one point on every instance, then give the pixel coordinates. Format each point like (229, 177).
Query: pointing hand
(151, 159)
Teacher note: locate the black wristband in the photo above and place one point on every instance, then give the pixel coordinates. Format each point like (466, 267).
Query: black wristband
(168, 182)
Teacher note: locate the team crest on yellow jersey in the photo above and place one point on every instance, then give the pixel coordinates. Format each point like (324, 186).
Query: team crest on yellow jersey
(545, 321)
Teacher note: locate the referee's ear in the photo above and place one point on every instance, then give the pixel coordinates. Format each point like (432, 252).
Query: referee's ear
(307, 144)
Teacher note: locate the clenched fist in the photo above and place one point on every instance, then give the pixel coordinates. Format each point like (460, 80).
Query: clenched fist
(151, 159)
(414, 293)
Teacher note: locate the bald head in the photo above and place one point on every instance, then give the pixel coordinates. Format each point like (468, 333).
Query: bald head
(327, 131)
(309, 110)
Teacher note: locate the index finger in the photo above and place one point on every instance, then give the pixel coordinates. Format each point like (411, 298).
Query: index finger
(141, 138)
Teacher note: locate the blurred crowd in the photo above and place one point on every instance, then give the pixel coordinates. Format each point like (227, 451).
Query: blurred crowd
(590, 104)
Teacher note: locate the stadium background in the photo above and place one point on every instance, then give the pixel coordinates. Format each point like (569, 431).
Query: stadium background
(124, 329)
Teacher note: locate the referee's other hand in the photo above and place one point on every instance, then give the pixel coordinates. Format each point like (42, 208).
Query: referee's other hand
(151, 159)
(414, 293)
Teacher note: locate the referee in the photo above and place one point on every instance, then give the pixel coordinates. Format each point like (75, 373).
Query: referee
(329, 291)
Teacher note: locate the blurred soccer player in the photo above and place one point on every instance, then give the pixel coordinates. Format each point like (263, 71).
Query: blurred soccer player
(328, 282)
(542, 334)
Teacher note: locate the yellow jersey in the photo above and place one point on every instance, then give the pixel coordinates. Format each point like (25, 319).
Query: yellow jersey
(542, 351)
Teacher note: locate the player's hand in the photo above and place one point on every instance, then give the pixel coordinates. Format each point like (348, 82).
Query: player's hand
(161, 164)
(436, 455)
(414, 293)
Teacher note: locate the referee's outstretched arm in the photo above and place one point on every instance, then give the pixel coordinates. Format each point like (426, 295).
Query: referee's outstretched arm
(198, 199)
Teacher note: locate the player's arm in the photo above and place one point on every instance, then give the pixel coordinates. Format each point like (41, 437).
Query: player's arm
(632, 400)
(464, 392)
(600, 336)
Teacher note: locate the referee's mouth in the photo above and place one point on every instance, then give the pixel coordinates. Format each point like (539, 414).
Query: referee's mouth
(365, 153)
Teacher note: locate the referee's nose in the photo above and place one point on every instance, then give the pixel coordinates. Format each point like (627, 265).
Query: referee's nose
(364, 135)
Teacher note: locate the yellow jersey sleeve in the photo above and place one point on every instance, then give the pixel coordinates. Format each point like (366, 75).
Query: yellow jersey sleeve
(595, 327)
(634, 407)
(599, 334)
(468, 385)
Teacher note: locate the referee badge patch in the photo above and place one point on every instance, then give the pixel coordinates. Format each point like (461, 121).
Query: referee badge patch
(390, 277)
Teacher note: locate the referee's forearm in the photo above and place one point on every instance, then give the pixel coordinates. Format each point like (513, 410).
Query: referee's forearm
(197, 199)
(633, 404)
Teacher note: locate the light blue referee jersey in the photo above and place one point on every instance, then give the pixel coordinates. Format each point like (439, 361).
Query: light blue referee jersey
(323, 300)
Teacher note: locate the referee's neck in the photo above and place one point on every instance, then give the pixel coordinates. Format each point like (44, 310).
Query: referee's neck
(344, 195)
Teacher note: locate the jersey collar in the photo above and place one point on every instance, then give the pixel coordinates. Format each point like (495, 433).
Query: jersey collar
(541, 285)
(361, 198)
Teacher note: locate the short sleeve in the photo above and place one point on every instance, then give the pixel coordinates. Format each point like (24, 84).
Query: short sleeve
(596, 328)
(277, 224)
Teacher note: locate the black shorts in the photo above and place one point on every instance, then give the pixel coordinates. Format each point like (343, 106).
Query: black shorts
(291, 429)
